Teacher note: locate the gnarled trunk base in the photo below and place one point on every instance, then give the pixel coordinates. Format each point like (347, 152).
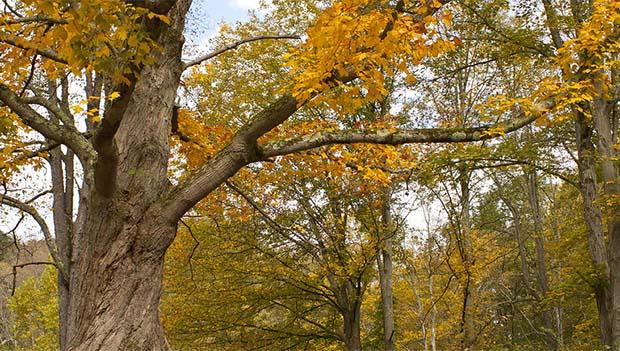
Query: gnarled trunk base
(116, 290)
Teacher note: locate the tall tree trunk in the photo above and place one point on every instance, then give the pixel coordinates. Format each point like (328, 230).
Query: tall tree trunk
(121, 236)
(594, 223)
(433, 313)
(588, 185)
(352, 335)
(602, 116)
(559, 310)
(468, 330)
(61, 229)
(385, 273)
(413, 281)
(548, 315)
(115, 303)
(516, 218)
(63, 177)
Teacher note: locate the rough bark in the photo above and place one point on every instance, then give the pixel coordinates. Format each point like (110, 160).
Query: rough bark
(602, 116)
(594, 223)
(352, 335)
(604, 293)
(117, 261)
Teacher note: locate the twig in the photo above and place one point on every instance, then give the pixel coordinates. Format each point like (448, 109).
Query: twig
(22, 265)
(196, 244)
(234, 46)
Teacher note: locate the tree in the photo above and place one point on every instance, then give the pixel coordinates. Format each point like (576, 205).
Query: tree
(109, 254)
(36, 314)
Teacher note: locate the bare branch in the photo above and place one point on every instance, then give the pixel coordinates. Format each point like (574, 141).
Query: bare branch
(196, 244)
(22, 265)
(234, 46)
(47, 234)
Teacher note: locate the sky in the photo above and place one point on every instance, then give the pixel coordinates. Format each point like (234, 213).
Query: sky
(212, 12)
(205, 18)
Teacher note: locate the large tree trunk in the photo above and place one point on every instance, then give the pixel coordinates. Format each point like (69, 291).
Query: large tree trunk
(121, 236)
(115, 302)
(602, 116)
(594, 223)
(352, 335)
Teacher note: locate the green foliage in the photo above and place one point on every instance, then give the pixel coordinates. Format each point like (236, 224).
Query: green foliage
(35, 309)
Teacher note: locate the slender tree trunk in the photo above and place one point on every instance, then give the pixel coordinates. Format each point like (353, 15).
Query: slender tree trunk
(516, 218)
(559, 312)
(433, 314)
(466, 251)
(385, 275)
(429, 271)
(413, 282)
(61, 229)
(63, 177)
(548, 316)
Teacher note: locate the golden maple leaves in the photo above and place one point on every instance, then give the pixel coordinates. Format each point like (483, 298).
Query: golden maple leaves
(367, 39)
(106, 36)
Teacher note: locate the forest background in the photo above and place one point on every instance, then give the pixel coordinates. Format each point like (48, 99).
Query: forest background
(508, 242)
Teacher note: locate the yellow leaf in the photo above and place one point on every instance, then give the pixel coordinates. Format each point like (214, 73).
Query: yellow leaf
(114, 95)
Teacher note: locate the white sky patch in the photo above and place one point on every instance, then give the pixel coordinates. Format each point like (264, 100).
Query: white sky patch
(245, 4)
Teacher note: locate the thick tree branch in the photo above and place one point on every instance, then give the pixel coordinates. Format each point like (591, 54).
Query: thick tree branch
(243, 148)
(47, 53)
(393, 137)
(33, 19)
(65, 134)
(233, 46)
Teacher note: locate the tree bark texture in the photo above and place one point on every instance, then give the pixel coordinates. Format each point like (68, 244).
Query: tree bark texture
(594, 223)
(602, 116)
(116, 265)
(352, 335)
